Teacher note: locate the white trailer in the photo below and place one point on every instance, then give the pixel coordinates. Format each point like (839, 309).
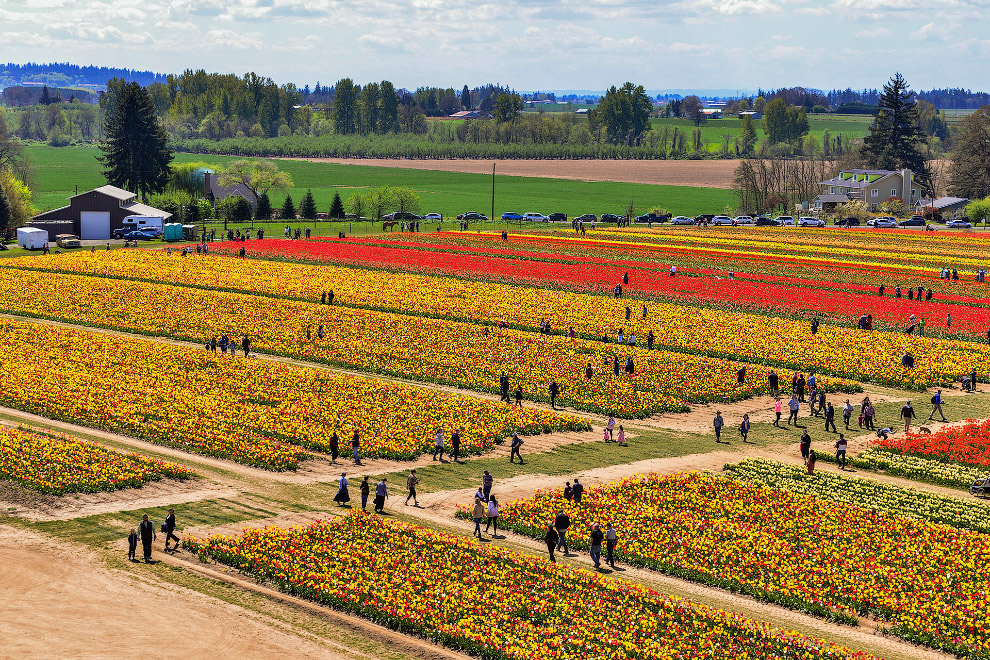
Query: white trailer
(133, 222)
(31, 238)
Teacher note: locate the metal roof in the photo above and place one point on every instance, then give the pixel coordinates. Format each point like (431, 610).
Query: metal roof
(114, 191)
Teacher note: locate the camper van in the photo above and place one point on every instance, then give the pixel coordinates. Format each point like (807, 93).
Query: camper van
(150, 223)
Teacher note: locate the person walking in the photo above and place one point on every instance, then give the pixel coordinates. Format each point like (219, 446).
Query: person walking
(334, 447)
(805, 445)
(365, 492)
(776, 411)
(381, 494)
(517, 443)
(907, 414)
(741, 375)
(554, 392)
(622, 436)
(792, 407)
(774, 382)
(455, 443)
(519, 396)
(478, 514)
(343, 496)
(870, 415)
(492, 516)
(840, 452)
(246, 345)
(595, 541)
(830, 417)
(937, 407)
(800, 387)
(438, 445)
(610, 427)
(132, 541)
(411, 482)
(503, 387)
(744, 428)
(487, 481)
(718, 423)
(148, 536)
(562, 523)
(812, 459)
(169, 529)
(550, 538)
(847, 411)
(611, 538)
(577, 491)
(355, 444)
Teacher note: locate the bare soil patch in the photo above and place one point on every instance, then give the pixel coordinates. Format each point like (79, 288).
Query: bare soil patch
(692, 173)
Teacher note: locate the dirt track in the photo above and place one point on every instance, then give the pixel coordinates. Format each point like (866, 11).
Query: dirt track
(693, 173)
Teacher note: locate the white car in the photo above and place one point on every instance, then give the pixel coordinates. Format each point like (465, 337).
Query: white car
(882, 222)
(682, 220)
(743, 220)
(958, 224)
(535, 217)
(722, 220)
(808, 221)
(785, 220)
(433, 216)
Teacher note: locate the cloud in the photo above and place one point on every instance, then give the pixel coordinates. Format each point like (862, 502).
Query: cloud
(92, 32)
(229, 39)
(936, 32)
(873, 33)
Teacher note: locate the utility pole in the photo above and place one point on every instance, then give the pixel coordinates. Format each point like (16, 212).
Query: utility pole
(492, 216)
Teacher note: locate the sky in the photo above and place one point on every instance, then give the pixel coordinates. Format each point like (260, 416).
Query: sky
(526, 44)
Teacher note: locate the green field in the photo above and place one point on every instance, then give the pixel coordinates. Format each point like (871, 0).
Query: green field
(58, 172)
(851, 127)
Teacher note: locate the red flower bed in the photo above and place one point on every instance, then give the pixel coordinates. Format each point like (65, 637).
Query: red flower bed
(968, 443)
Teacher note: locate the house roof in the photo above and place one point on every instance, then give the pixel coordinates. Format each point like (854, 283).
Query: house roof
(943, 202)
(137, 208)
(218, 192)
(114, 191)
(852, 183)
(833, 199)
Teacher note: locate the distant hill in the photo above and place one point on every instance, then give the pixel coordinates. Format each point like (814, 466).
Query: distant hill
(64, 74)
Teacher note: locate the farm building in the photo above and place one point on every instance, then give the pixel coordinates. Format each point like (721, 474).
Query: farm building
(470, 114)
(945, 206)
(214, 192)
(93, 215)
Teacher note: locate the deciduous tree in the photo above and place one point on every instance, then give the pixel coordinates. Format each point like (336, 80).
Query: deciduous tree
(624, 113)
(259, 176)
(969, 174)
(507, 107)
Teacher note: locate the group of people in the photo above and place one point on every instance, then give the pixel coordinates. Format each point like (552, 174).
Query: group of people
(455, 445)
(343, 495)
(334, 446)
(147, 535)
(225, 343)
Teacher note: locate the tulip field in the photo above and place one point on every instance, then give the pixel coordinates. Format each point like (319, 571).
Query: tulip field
(928, 581)
(58, 464)
(491, 602)
(255, 412)
(777, 342)
(967, 444)
(914, 467)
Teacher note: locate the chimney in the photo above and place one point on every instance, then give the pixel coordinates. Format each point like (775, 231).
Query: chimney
(906, 186)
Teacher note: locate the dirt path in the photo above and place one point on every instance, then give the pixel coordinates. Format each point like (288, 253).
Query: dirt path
(58, 601)
(693, 173)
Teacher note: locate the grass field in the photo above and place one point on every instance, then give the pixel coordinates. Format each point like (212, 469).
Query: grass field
(851, 127)
(58, 172)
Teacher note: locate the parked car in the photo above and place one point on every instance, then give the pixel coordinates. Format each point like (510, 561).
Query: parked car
(647, 218)
(958, 224)
(785, 220)
(882, 222)
(722, 220)
(808, 221)
(914, 221)
(535, 217)
(682, 220)
(472, 215)
(764, 221)
(704, 217)
(743, 220)
(558, 217)
(611, 217)
(401, 215)
(587, 217)
(847, 222)
(67, 241)
(511, 215)
(139, 235)
(433, 216)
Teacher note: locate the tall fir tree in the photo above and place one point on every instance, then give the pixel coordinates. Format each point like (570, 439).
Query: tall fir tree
(336, 207)
(264, 209)
(466, 98)
(288, 209)
(135, 156)
(895, 140)
(307, 207)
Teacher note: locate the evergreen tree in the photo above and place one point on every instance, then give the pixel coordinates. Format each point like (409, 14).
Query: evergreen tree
(135, 156)
(388, 117)
(264, 209)
(288, 209)
(466, 98)
(336, 207)
(307, 207)
(747, 135)
(6, 214)
(895, 140)
(241, 211)
(345, 106)
(192, 213)
(45, 96)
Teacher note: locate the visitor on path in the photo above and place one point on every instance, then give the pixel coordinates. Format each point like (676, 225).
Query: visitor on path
(554, 392)
(611, 538)
(381, 494)
(792, 407)
(595, 542)
(830, 417)
(455, 443)
(365, 492)
(343, 496)
(869, 415)
(812, 459)
(800, 387)
(774, 382)
(517, 443)
(847, 411)
(568, 492)
(937, 407)
(812, 393)
(492, 516)
(550, 538)
(840, 452)
(132, 540)
(907, 414)
(744, 428)
(610, 427)
(561, 523)
(503, 387)
(169, 528)
(355, 445)
(487, 481)
(478, 514)
(718, 423)
(411, 482)
(805, 445)
(519, 396)
(577, 491)
(438, 445)
(776, 411)
(334, 447)
(148, 535)
(622, 436)
(821, 401)
(246, 345)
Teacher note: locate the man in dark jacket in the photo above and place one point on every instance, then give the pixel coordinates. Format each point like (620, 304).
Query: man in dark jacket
(561, 523)
(551, 539)
(774, 382)
(148, 536)
(577, 491)
(170, 530)
(515, 446)
(554, 392)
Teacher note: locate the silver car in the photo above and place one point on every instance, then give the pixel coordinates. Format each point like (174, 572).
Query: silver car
(722, 220)
(883, 222)
(958, 224)
(682, 220)
(808, 221)
(743, 220)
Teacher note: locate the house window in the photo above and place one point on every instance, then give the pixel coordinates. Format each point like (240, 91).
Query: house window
(842, 190)
(874, 193)
(893, 193)
(831, 190)
(914, 192)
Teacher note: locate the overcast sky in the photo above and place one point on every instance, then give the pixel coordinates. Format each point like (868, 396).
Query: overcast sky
(527, 44)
